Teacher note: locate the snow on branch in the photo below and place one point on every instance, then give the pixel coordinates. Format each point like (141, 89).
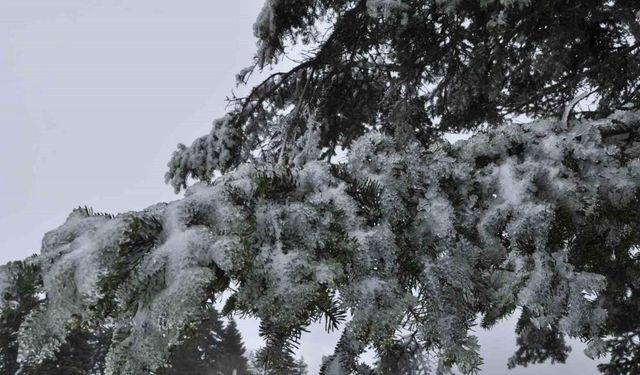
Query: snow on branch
(401, 238)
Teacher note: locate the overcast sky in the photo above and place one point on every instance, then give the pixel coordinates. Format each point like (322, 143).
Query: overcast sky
(94, 96)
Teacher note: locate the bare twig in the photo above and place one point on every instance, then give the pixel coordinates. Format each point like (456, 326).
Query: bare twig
(572, 104)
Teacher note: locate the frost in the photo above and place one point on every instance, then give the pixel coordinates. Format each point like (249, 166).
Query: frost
(385, 8)
(398, 236)
(596, 348)
(3, 283)
(437, 213)
(264, 26)
(307, 148)
(208, 154)
(512, 188)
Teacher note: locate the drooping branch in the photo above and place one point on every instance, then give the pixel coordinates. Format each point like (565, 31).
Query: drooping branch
(522, 216)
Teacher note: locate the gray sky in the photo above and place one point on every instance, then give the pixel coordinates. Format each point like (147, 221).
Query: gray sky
(94, 96)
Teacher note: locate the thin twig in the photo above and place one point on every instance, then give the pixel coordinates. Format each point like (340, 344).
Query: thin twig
(572, 104)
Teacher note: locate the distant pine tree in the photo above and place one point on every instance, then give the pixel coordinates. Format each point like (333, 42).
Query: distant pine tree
(289, 366)
(83, 352)
(233, 356)
(16, 302)
(200, 354)
(300, 367)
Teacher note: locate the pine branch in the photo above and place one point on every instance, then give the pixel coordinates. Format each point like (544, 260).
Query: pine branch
(142, 235)
(88, 212)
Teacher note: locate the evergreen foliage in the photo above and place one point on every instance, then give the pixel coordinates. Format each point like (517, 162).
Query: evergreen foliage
(409, 240)
(19, 297)
(289, 366)
(83, 352)
(211, 349)
(417, 68)
(232, 353)
(199, 351)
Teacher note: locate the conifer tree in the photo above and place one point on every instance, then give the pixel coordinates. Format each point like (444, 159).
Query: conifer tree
(403, 245)
(232, 354)
(21, 283)
(201, 353)
(300, 367)
(289, 366)
(82, 353)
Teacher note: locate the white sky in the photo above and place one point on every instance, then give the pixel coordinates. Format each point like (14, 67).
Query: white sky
(94, 96)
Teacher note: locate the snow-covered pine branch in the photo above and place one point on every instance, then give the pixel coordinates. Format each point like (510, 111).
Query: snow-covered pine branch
(506, 219)
(411, 239)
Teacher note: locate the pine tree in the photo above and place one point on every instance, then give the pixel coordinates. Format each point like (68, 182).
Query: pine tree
(232, 356)
(289, 366)
(83, 352)
(300, 367)
(19, 297)
(202, 352)
(407, 242)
